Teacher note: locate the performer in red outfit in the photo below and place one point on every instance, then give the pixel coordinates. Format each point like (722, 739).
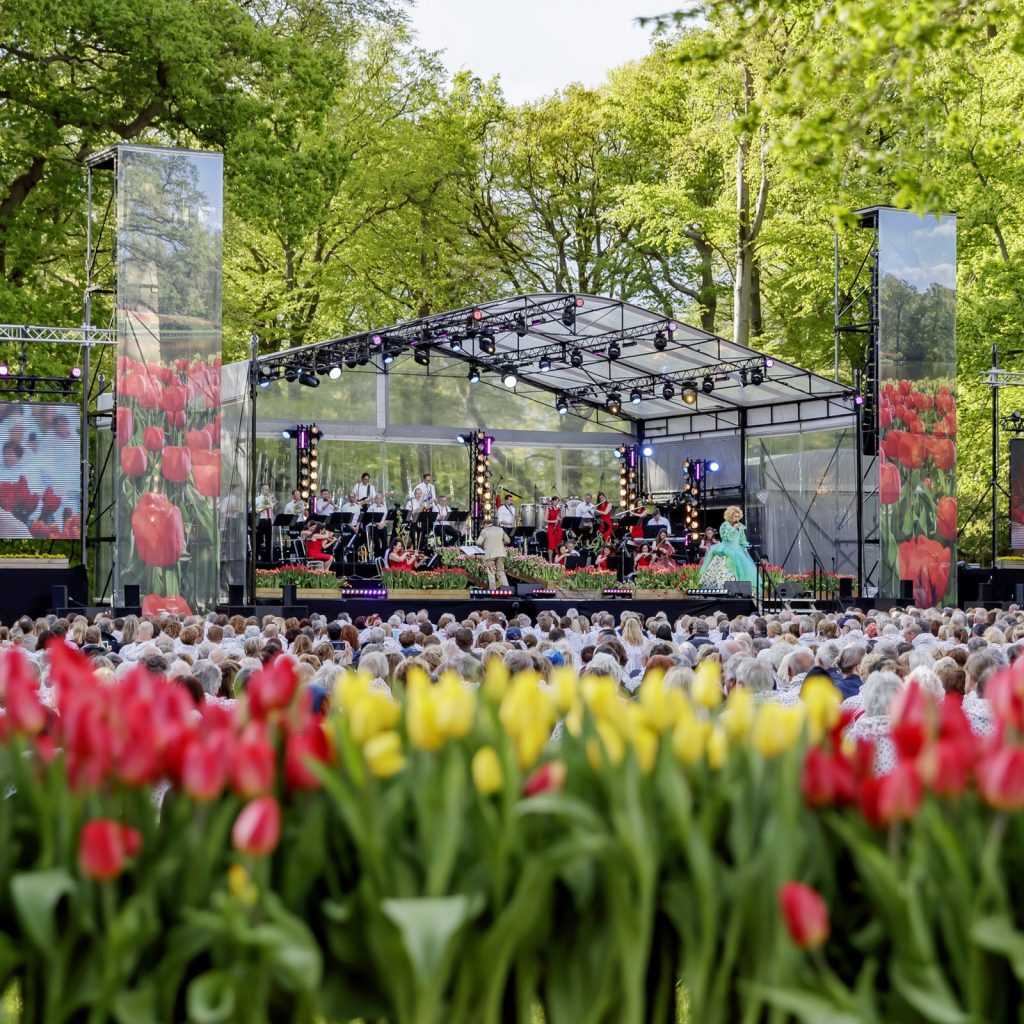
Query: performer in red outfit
(603, 511)
(644, 559)
(554, 523)
(560, 557)
(601, 562)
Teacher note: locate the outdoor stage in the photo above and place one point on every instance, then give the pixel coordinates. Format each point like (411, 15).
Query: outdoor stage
(437, 604)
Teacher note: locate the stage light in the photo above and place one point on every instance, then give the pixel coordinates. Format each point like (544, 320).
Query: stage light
(322, 368)
(576, 358)
(614, 402)
(636, 396)
(858, 400)
(617, 453)
(569, 313)
(660, 341)
(75, 373)
(562, 404)
(461, 438)
(335, 371)
(668, 392)
(769, 363)
(647, 451)
(743, 378)
(287, 434)
(713, 466)
(709, 384)
(310, 379)
(4, 370)
(291, 374)
(264, 382)
(519, 325)
(388, 357)
(756, 377)
(672, 326)
(614, 351)
(455, 343)
(473, 376)
(487, 344)
(544, 364)
(351, 361)
(509, 377)
(689, 395)
(476, 314)
(422, 356)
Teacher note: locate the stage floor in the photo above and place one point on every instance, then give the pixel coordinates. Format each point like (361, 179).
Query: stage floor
(437, 604)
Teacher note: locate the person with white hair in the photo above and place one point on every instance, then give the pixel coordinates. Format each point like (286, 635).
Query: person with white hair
(880, 689)
(757, 677)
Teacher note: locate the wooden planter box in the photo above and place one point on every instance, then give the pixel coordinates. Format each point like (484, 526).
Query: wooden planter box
(659, 595)
(305, 593)
(412, 593)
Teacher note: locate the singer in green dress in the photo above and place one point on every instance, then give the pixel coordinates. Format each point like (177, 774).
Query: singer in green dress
(728, 559)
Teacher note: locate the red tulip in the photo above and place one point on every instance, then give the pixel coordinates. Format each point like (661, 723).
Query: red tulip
(910, 722)
(204, 768)
(913, 450)
(153, 439)
(926, 562)
(885, 417)
(888, 483)
(272, 688)
(548, 778)
(826, 780)
(944, 401)
(805, 915)
(308, 744)
(173, 398)
(1001, 778)
(104, 846)
(947, 518)
(905, 387)
(125, 417)
(155, 604)
(25, 712)
(175, 420)
(206, 472)
(946, 766)
(1004, 692)
(252, 762)
(51, 502)
(257, 829)
(157, 530)
(899, 793)
(133, 460)
(176, 464)
(197, 441)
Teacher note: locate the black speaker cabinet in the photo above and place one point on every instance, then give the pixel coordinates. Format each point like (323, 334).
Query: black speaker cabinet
(907, 591)
(845, 588)
(236, 594)
(132, 595)
(59, 597)
(288, 594)
(738, 588)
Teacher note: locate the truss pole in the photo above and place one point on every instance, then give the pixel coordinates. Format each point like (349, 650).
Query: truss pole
(859, 469)
(995, 454)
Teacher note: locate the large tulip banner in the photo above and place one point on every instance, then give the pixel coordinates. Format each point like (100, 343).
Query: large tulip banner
(917, 406)
(168, 387)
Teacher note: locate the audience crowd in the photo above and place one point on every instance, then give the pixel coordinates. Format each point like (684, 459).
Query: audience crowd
(870, 656)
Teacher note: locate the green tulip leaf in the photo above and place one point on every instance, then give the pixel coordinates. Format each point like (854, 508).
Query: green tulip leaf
(295, 954)
(925, 989)
(137, 1006)
(806, 1006)
(427, 927)
(36, 895)
(997, 935)
(211, 998)
(9, 957)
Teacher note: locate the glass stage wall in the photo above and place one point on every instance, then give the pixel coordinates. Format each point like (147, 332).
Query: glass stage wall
(801, 499)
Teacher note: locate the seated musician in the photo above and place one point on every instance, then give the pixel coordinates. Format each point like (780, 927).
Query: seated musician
(707, 540)
(319, 544)
(377, 531)
(658, 519)
(645, 559)
(601, 562)
(585, 510)
(323, 506)
(561, 554)
(443, 526)
(664, 553)
(400, 558)
(573, 557)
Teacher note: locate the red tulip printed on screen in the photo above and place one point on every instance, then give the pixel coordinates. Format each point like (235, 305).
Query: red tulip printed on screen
(917, 487)
(168, 431)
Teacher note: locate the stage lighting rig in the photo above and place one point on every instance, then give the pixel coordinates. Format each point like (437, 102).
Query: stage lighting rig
(690, 391)
(307, 439)
(422, 356)
(756, 377)
(480, 445)
(636, 396)
(509, 377)
(487, 343)
(613, 403)
(709, 384)
(544, 364)
(519, 325)
(473, 376)
(576, 358)
(629, 478)
(614, 350)
(660, 341)
(668, 392)
(562, 404)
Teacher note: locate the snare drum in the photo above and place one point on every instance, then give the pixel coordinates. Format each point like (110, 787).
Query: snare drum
(528, 516)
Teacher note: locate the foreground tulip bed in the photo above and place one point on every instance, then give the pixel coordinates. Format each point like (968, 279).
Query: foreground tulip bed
(439, 858)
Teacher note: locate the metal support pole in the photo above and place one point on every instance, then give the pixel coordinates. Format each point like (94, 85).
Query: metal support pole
(995, 456)
(84, 512)
(835, 307)
(859, 426)
(254, 340)
(743, 460)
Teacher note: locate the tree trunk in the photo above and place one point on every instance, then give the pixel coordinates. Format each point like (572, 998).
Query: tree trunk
(741, 283)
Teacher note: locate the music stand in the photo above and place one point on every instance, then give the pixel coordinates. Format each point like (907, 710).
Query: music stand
(282, 521)
(571, 524)
(423, 527)
(451, 527)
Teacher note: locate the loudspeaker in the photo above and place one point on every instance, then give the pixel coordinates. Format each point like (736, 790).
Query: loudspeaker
(984, 593)
(1018, 593)
(845, 587)
(59, 597)
(236, 594)
(738, 588)
(907, 591)
(288, 595)
(132, 595)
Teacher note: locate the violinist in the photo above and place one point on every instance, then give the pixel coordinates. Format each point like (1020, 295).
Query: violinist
(664, 553)
(553, 519)
(601, 562)
(561, 555)
(645, 559)
(319, 543)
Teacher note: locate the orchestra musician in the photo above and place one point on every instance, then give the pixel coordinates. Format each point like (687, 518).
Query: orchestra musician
(562, 554)
(364, 490)
(707, 539)
(603, 511)
(645, 559)
(377, 532)
(265, 507)
(296, 506)
(323, 506)
(319, 544)
(553, 519)
(636, 531)
(601, 562)
(401, 557)
(447, 530)
(507, 514)
(658, 519)
(429, 491)
(664, 553)
(585, 510)
(416, 521)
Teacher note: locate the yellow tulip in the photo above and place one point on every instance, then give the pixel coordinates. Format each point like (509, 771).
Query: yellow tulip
(777, 729)
(738, 716)
(456, 707)
(688, 737)
(350, 688)
(422, 714)
(383, 754)
(822, 701)
(241, 885)
(660, 712)
(717, 748)
(486, 769)
(601, 695)
(609, 746)
(524, 704)
(371, 713)
(706, 688)
(530, 742)
(496, 677)
(563, 690)
(645, 746)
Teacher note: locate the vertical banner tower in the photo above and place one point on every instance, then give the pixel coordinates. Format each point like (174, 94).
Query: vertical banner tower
(910, 389)
(167, 394)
